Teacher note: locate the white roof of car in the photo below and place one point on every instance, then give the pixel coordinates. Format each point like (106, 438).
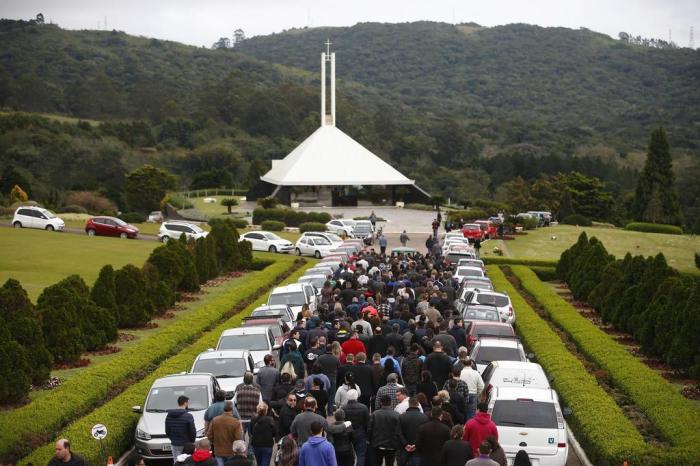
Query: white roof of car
(223, 354)
(517, 365)
(534, 394)
(291, 288)
(252, 330)
(177, 380)
(311, 276)
(467, 268)
(500, 342)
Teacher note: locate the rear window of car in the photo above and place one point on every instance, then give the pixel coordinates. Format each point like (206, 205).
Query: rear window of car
(487, 354)
(494, 300)
(494, 330)
(524, 413)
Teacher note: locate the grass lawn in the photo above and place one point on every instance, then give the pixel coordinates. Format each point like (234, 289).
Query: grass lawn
(40, 258)
(213, 209)
(678, 249)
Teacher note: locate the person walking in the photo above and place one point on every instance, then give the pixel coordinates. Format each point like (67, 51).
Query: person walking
(382, 244)
(477, 247)
(358, 415)
(317, 451)
(435, 225)
(340, 435)
(438, 364)
(301, 426)
(240, 455)
(64, 456)
(262, 435)
(223, 430)
(475, 384)
(477, 429)
(429, 243)
(456, 451)
(246, 398)
(388, 390)
(403, 239)
(409, 422)
(373, 219)
(383, 432)
(268, 378)
(431, 437)
(179, 426)
(483, 459)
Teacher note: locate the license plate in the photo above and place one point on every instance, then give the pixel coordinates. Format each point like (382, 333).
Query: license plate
(166, 447)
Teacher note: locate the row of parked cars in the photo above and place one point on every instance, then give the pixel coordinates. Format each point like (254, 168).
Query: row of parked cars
(521, 401)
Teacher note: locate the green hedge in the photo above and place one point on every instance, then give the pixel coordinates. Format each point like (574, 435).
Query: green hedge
(79, 394)
(607, 436)
(576, 219)
(239, 223)
(676, 418)
(290, 217)
(546, 274)
(654, 228)
(116, 414)
(500, 260)
(312, 226)
(272, 225)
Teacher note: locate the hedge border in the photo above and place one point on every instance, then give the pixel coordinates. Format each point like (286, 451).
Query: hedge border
(76, 396)
(676, 418)
(500, 260)
(659, 228)
(608, 437)
(116, 414)
(546, 274)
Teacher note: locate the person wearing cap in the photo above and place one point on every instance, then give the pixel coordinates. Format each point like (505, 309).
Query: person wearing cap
(240, 456)
(388, 390)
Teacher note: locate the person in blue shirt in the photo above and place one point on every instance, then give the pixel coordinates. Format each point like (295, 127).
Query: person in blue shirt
(317, 451)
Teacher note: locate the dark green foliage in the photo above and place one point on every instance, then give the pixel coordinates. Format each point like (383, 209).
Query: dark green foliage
(568, 257)
(185, 250)
(227, 251)
(201, 261)
(15, 370)
(58, 306)
(467, 215)
(212, 259)
(239, 223)
(104, 292)
(161, 295)
(546, 274)
(267, 202)
(229, 202)
(145, 187)
(588, 268)
(685, 347)
(24, 325)
(656, 199)
(272, 225)
(290, 217)
(168, 262)
(566, 209)
(246, 251)
(133, 217)
(697, 260)
(312, 226)
(654, 228)
(133, 302)
(576, 219)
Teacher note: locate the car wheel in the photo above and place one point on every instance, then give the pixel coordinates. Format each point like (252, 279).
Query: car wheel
(49, 228)
(164, 239)
(298, 251)
(91, 232)
(272, 249)
(17, 225)
(317, 254)
(123, 235)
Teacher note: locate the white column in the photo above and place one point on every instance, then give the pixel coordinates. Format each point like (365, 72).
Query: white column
(323, 89)
(333, 88)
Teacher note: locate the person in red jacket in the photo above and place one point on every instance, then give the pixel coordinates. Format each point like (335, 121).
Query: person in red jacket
(479, 427)
(353, 345)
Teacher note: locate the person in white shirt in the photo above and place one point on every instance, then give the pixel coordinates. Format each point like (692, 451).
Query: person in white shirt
(476, 385)
(402, 397)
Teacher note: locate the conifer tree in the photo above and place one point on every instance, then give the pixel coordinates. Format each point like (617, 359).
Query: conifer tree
(684, 352)
(14, 368)
(160, 294)
(656, 199)
(201, 261)
(104, 292)
(61, 324)
(212, 260)
(135, 307)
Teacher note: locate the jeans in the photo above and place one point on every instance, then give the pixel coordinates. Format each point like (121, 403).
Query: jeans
(177, 451)
(405, 458)
(381, 454)
(343, 458)
(262, 455)
(471, 406)
(220, 460)
(360, 445)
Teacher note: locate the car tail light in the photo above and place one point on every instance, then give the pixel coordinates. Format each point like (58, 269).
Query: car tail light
(510, 310)
(561, 445)
(470, 340)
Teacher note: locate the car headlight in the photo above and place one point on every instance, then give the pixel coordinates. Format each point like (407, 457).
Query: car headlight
(200, 432)
(142, 434)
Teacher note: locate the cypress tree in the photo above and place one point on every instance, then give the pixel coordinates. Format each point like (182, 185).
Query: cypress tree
(168, 263)
(621, 304)
(656, 199)
(24, 325)
(568, 257)
(60, 318)
(104, 292)
(212, 260)
(15, 370)
(135, 307)
(201, 261)
(162, 297)
(189, 281)
(226, 238)
(684, 352)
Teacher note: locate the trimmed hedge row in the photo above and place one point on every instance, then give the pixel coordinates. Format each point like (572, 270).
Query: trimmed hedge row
(116, 414)
(272, 225)
(654, 228)
(290, 217)
(499, 260)
(546, 274)
(312, 226)
(676, 418)
(79, 394)
(607, 436)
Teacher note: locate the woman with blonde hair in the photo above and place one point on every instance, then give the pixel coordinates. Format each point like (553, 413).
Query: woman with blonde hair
(263, 431)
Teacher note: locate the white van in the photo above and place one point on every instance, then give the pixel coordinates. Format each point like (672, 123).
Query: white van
(513, 374)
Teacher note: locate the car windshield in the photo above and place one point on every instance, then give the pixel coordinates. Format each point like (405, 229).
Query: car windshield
(272, 236)
(479, 314)
(120, 222)
(478, 284)
(48, 214)
(315, 281)
(492, 299)
(494, 330)
(257, 342)
(524, 413)
(333, 237)
(268, 313)
(455, 257)
(486, 354)
(162, 399)
(465, 272)
(472, 227)
(293, 299)
(221, 367)
(321, 241)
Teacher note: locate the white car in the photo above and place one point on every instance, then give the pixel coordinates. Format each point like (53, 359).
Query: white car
(468, 272)
(461, 241)
(332, 237)
(317, 280)
(341, 227)
(267, 241)
(530, 419)
(470, 284)
(295, 295)
(499, 300)
(37, 217)
(513, 374)
(174, 229)
(257, 340)
(489, 349)
(151, 441)
(227, 366)
(472, 263)
(283, 311)
(313, 246)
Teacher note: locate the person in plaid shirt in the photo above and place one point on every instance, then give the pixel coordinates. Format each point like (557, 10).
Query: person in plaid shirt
(246, 398)
(390, 390)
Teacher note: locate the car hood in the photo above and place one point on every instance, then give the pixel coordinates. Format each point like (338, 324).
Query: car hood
(229, 384)
(154, 423)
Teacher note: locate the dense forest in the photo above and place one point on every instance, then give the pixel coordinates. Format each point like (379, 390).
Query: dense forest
(500, 107)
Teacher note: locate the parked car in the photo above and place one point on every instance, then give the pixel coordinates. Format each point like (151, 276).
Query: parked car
(331, 237)
(258, 340)
(227, 366)
(363, 230)
(499, 300)
(267, 241)
(341, 227)
(280, 311)
(37, 217)
(469, 284)
(317, 280)
(490, 230)
(313, 246)
(151, 441)
(110, 226)
(280, 329)
(513, 374)
(468, 272)
(473, 231)
(530, 419)
(295, 295)
(471, 263)
(456, 253)
(477, 312)
(484, 328)
(489, 349)
(174, 229)
(155, 217)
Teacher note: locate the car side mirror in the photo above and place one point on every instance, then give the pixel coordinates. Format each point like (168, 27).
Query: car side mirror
(566, 411)
(531, 357)
(137, 409)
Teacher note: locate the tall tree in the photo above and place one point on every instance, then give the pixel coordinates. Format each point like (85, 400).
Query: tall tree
(656, 199)
(145, 187)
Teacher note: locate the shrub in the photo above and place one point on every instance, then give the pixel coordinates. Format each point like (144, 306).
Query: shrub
(654, 228)
(177, 201)
(73, 209)
(14, 368)
(292, 218)
(104, 292)
(227, 249)
(267, 202)
(161, 295)
(185, 250)
(260, 264)
(239, 223)
(697, 260)
(133, 217)
(60, 319)
(272, 225)
(312, 226)
(576, 219)
(466, 215)
(168, 263)
(92, 202)
(529, 223)
(520, 261)
(133, 302)
(229, 202)
(546, 274)
(416, 206)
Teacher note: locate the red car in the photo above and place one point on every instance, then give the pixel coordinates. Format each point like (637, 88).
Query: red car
(481, 328)
(110, 226)
(489, 228)
(473, 231)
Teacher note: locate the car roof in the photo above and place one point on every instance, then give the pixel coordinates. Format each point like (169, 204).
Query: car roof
(272, 307)
(507, 342)
(177, 380)
(312, 276)
(223, 354)
(179, 222)
(517, 365)
(534, 394)
(292, 287)
(490, 323)
(251, 330)
(491, 292)
(468, 267)
(267, 321)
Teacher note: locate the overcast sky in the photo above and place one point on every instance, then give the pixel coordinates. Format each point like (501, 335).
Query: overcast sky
(202, 22)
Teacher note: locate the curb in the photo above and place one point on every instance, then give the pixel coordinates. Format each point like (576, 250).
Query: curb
(577, 447)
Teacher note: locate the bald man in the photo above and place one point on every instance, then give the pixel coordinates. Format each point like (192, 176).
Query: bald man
(65, 457)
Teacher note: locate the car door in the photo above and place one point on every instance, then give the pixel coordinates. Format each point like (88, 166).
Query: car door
(28, 219)
(109, 227)
(255, 240)
(189, 232)
(304, 245)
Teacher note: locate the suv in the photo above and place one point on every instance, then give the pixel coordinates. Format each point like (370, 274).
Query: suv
(530, 419)
(110, 226)
(296, 295)
(478, 312)
(37, 217)
(258, 340)
(501, 301)
(513, 374)
(488, 349)
(227, 366)
(173, 229)
(151, 441)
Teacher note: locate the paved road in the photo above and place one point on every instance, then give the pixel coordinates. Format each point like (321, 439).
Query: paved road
(80, 231)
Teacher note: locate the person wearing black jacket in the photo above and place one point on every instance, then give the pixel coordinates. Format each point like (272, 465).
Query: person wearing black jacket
(287, 413)
(456, 452)
(358, 415)
(431, 437)
(363, 378)
(280, 392)
(340, 434)
(409, 423)
(262, 436)
(439, 364)
(179, 426)
(384, 432)
(65, 456)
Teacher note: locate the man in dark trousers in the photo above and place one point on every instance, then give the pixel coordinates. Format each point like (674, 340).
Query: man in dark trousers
(384, 432)
(409, 422)
(179, 426)
(65, 457)
(431, 437)
(438, 364)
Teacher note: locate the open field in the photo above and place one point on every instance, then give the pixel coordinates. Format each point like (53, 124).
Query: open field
(40, 258)
(214, 209)
(538, 244)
